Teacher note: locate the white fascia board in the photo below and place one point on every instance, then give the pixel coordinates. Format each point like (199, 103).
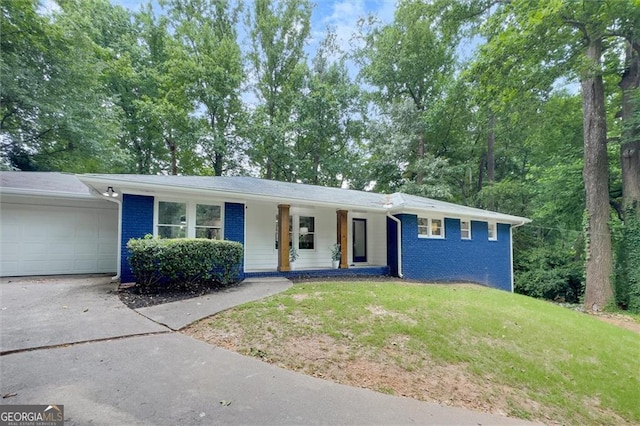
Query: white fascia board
(155, 189)
(40, 193)
(464, 214)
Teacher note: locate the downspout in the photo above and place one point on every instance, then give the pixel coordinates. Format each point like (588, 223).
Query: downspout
(399, 243)
(511, 248)
(119, 256)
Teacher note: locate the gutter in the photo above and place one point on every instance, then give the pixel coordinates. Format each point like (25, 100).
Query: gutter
(399, 243)
(516, 225)
(117, 200)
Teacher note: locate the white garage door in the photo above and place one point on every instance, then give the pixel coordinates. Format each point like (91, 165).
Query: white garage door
(42, 239)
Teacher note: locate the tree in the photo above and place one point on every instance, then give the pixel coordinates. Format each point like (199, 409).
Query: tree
(328, 124)
(205, 63)
(278, 33)
(54, 113)
(410, 63)
(542, 40)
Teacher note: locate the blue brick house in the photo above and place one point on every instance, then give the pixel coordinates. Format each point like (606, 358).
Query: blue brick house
(401, 235)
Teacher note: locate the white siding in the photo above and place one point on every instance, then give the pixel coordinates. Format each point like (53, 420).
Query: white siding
(260, 251)
(260, 232)
(376, 238)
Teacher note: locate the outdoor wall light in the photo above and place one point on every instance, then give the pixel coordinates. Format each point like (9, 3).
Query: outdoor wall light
(110, 192)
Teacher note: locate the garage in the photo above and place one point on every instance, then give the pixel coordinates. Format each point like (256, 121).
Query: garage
(51, 224)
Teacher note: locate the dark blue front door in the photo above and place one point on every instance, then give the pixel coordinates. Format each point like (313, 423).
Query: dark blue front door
(359, 240)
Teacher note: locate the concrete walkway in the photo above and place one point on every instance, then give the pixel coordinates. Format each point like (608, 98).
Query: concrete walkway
(177, 315)
(167, 378)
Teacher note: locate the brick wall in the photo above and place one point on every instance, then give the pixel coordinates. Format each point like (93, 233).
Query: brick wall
(454, 259)
(137, 221)
(234, 226)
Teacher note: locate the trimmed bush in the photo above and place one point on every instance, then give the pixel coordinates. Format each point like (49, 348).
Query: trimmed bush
(183, 262)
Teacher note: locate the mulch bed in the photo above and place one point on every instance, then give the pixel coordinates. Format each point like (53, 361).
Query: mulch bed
(130, 295)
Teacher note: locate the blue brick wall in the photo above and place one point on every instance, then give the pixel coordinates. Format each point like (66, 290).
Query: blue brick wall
(234, 226)
(137, 221)
(453, 259)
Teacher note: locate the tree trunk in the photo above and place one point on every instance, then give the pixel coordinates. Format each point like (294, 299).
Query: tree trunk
(630, 147)
(491, 141)
(420, 155)
(172, 153)
(599, 266)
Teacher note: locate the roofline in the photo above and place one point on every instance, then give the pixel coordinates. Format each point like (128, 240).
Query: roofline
(400, 209)
(41, 193)
(92, 180)
(494, 216)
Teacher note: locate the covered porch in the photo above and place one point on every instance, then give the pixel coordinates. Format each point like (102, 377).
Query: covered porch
(274, 230)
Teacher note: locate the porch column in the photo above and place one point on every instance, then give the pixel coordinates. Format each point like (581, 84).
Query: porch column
(283, 238)
(342, 239)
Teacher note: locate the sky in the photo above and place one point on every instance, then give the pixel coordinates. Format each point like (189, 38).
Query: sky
(341, 15)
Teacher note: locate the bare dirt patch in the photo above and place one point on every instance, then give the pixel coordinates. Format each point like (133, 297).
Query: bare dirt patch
(620, 321)
(389, 370)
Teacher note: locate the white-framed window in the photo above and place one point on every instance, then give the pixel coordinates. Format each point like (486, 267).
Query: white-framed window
(172, 219)
(180, 219)
(465, 229)
(208, 221)
(430, 227)
(301, 229)
(492, 230)
(307, 231)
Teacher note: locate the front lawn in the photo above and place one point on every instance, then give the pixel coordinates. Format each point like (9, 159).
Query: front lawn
(459, 345)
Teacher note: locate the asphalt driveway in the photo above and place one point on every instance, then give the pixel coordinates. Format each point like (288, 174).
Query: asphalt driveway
(71, 342)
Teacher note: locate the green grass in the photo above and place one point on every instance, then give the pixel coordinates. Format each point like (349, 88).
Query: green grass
(547, 363)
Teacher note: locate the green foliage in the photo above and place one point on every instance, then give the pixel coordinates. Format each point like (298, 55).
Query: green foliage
(336, 252)
(183, 261)
(551, 273)
(627, 281)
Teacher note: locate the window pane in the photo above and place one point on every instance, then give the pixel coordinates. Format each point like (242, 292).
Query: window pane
(306, 242)
(207, 215)
(308, 222)
(465, 230)
(209, 233)
(492, 231)
(423, 226)
(171, 231)
(172, 213)
(436, 227)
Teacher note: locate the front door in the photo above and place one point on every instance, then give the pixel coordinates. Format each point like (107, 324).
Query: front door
(359, 240)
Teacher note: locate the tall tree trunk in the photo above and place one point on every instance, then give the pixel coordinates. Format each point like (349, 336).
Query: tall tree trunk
(172, 153)
(491, 141)
(630, 147)
(599, 267)
(420, 155)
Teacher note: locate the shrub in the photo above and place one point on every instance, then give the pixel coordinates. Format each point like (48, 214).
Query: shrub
(183, 262)
(627, 280)
(551, 273)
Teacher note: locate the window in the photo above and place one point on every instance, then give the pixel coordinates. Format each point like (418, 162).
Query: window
(430, 227)
(208, 222)
(307, 237)
(188, 220)
(465, 229)
(172, 220)
(493, 235)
